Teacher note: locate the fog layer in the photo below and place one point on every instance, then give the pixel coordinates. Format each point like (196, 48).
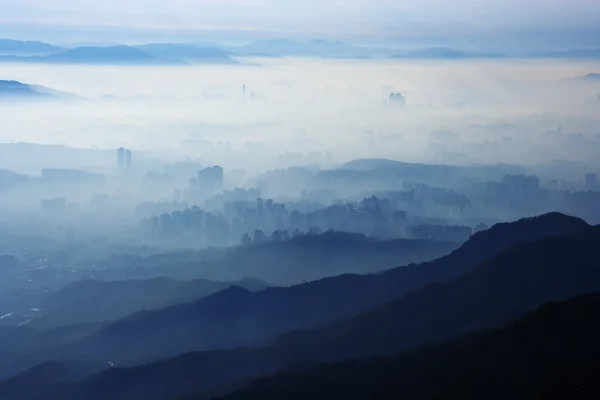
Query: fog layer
(513, 111)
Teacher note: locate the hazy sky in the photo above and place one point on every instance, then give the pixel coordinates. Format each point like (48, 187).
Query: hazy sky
(377, 19)
(501, 110)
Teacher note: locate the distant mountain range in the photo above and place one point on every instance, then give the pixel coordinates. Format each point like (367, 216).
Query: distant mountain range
(182, 54)
(572, 53)
(189, 53)
(14, 90)
(9, 179)
(309, 257)
(593, 77)
(21, 48)
(445, 53)
(91, 301)
(151, 54)
(320, 48)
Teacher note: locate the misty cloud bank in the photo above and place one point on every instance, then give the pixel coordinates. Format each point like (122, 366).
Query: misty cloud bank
(314, 111)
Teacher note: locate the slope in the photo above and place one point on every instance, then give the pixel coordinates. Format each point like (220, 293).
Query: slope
(14, 90)
(551, 353)
(27, 48)
(446, 53)
(196, 54)
(237, 317)
(516, 281)
(488, 296)
(98, 301)
(118, 55)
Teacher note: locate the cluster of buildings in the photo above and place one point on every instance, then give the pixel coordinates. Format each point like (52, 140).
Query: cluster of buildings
(418, 211)
(208, 181)
(261, 219)
(397, 99)
(123, 159)
(414, 210)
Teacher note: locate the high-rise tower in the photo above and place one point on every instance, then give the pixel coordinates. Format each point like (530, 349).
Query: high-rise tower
(128, 159)
(121, 158)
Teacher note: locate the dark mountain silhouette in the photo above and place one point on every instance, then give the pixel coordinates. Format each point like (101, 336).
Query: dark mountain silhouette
(237, 317)
(512, 283)
(312, 257)
(195, 54)
(446, 53)
(27, 48)
(99, 301)
(282, 263)
(29, 340)
(80, 309)
(55, 372)
(551, 353)
(49, 377)
(487, 296)
(25, 347)
(518, 280)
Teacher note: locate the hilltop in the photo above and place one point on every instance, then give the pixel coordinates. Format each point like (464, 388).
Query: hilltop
(18, 90)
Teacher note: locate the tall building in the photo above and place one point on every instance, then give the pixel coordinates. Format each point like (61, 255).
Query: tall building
(128, 159)
(591, 180)
(121, 158)
(210, 180)
(243, 91)
(397, 99)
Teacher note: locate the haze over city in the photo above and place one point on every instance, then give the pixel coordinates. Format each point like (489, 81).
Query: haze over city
(299, 199)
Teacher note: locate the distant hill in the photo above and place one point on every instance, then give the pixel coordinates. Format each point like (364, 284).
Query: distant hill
(551, 353)
(123, 55)
(446, 53)
(364, 164)
(516, 281)
(26, 48)
(592, 77)
(53, 372)
(573, 53)
(9, 179)
(110, 54)
(194, 54)
(395, 172)
(11, 90)
(319, 48)
(283, 263)
(99, 301)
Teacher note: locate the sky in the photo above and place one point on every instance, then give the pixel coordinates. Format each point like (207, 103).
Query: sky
(376, 20)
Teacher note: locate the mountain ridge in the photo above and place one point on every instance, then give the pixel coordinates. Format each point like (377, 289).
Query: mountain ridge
(27, 48)
(489, 364)
(10, 89)
(572, 268)
(244, 318)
